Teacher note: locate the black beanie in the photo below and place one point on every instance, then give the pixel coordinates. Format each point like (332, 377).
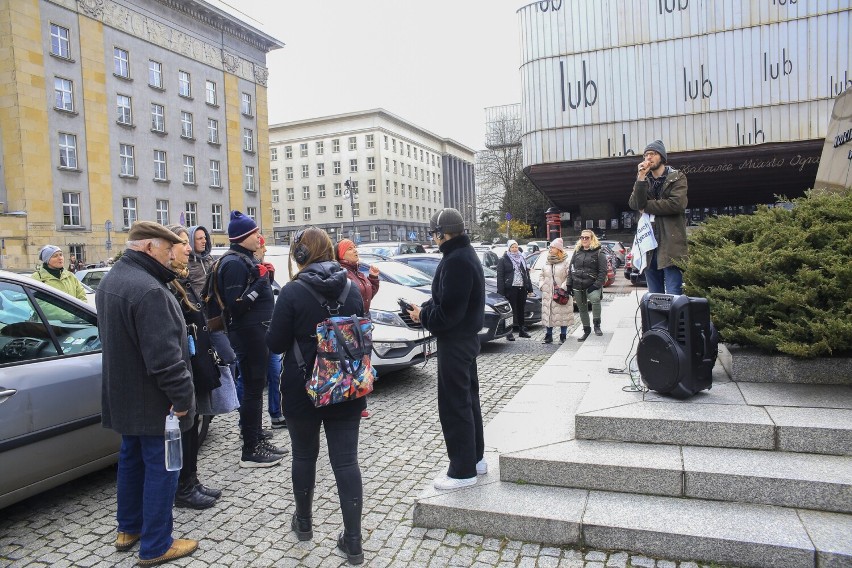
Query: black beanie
(240, 227)
(658, 147)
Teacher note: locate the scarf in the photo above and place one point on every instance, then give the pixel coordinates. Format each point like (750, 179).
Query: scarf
(517, 259)
(57, 272)
(555, 256)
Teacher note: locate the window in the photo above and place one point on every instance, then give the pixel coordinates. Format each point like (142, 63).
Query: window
(185, 124)
(387, 186)
(59, 43)
(322, 208)
(288, 152)
(288, 172)
(291, 194)
(249, 175)
(121, 62)
(409, 170)
(305, 170)
(245, 106)
(338, 190)
(336, 167)
(273, 154)
(388, 207)
(387, 164)
(276, 195)
(320, 169)
(71, 209)
(274, 174)
(291, 215)
(407, 150)
(184, 86)
(371, 186)
(368, 139)
(371, 163)
(321, 190)
(189, 170)
(252, 212)
(215, 174)
(306, 192)
(276, 217)
(306, 213)
(124, 108)
(395, 188)
(128, 161)
(396, 209)
(374, 210)
(163, 212)
(155, 74)
(356, 209)
(160, 165)
(67, 150)
(212, 131)
(338, 211)
(63, 90)
(353, 165)
(394, 166)
(393, 141)
(335, 145)
(210, 93)
(128, 211)
(216, 216)
(320, 148)
(303, 150)
(248, 139)
(353, 143)
(386, 142)
(191, 213)
(158, 118)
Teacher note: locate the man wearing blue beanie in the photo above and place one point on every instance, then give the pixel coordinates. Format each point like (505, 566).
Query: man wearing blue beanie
(660, 191)
(247, 295)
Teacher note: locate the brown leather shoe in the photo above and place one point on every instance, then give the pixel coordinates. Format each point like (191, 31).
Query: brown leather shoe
(180, 547)
(125, 541)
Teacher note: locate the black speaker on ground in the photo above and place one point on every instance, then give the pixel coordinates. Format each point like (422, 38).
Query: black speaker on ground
(679, 344)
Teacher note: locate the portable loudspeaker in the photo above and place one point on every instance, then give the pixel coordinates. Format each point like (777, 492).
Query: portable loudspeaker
(679, 344)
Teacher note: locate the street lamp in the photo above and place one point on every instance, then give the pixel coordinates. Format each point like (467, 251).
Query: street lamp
(351, 192)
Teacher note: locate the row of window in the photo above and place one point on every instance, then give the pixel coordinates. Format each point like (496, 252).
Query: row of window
(319, 149)
(425, 193)
(414, 212)
(336, 169)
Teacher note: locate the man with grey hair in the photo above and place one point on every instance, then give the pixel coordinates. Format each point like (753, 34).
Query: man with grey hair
(146, 375)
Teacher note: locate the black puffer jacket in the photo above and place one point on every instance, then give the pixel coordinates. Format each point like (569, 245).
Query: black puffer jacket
(506, 275)
(588, 268)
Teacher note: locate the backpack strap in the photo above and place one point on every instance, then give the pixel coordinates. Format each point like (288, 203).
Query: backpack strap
(300, 359)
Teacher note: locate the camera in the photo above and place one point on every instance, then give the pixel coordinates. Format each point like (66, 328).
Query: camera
(404, 306)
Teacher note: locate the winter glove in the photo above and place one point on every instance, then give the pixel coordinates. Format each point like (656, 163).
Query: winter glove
(591, 289)
(270, 270)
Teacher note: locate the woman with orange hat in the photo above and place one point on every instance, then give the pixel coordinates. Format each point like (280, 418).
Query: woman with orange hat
(347, 256)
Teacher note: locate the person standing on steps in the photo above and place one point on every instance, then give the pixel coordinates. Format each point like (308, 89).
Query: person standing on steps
(513, 282)
(586, 278)
(555, 275)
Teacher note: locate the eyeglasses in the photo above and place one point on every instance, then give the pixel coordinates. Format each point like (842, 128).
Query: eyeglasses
(585, 238)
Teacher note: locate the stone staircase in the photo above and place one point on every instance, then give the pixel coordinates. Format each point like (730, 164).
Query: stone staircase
(746, 474)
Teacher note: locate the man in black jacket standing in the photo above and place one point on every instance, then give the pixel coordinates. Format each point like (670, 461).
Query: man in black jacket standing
(454, 315)
(247, 295)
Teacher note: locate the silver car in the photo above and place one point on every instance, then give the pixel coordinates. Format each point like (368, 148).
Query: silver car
(50, 390)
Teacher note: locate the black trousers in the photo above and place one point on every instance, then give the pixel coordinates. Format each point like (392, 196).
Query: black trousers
(517, 297)
(189, 448)
(458, 404)
(252, 357)
(341, 436)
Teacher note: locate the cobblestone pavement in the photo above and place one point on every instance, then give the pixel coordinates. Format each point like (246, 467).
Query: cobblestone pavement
(401, 451)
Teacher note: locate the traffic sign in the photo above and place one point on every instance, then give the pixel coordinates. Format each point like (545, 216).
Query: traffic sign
(109, 245)
(508, 216)
(412, 235)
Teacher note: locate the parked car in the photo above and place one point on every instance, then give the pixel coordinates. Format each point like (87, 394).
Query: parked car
(50, 390)
(488, 258)
(428, 264)
(498, 312)
(620, 251)
(631, 273)
(91, 277)
(390, 248)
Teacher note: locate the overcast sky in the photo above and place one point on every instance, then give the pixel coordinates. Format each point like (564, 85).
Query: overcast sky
(436, 63)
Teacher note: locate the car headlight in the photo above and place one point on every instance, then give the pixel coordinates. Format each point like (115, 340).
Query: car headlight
(386, 318)
(382, 348)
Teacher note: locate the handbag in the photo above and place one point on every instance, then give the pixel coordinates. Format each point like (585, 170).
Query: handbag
(560, 296)
(223, 399)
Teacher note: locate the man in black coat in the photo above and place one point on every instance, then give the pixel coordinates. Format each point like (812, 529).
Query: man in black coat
(454, 315)
(146, 373)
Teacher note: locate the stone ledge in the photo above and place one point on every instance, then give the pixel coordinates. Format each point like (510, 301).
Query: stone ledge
(754, 366)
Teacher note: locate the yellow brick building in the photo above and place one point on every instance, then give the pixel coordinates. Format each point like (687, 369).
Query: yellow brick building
(118, 110)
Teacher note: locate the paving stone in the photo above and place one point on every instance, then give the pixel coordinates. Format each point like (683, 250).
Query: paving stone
(595, 556)
(617, 560)
(642, 562)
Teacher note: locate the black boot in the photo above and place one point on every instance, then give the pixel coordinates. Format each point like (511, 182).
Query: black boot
(510, 337)
(523, 333)
(215, 493)
(301, 523)
(587, 331)
(561, 338)
(188, 496)
(597, 327)
(349, 540)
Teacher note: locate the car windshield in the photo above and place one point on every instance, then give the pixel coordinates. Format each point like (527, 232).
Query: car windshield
(379, 250)
(404, 274)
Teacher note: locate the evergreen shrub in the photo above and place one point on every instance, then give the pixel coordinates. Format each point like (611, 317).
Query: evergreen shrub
(780, 279)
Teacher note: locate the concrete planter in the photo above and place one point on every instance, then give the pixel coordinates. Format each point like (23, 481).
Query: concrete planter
(754, 366)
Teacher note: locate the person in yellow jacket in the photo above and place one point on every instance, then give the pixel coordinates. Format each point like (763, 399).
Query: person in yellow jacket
(53, 273)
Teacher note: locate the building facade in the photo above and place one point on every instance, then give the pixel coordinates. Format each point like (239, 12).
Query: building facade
(740, 93)
(369, 175)
(118, 110)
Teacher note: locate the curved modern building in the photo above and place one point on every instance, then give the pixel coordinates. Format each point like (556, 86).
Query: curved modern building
(740, 92)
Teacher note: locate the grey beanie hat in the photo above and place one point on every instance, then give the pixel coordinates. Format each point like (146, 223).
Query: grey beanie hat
(47, 251)
(658, 147)
(447, 220)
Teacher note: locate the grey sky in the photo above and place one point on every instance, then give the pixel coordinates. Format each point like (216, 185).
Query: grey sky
(436, 63)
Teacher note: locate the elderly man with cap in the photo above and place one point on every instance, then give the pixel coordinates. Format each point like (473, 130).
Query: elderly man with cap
(146, 375)
(247, 294)
(53, 273)
(660, 191)
(454, 315)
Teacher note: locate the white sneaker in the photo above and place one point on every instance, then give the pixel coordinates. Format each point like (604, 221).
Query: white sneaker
(445, 482)
(481, 467)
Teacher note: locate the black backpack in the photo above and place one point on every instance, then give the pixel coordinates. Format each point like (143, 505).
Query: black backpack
(214, 306)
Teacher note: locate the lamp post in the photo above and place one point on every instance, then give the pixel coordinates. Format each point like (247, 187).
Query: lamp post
(351, 192)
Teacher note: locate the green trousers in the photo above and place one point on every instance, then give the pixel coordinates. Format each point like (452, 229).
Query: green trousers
(583, 298)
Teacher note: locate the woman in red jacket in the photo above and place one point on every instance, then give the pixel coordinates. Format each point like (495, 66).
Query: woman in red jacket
(347, 256)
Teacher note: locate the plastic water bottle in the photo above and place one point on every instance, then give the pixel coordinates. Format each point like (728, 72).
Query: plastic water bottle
(174, 453)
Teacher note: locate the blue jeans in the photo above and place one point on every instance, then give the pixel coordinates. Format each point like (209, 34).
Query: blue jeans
(273, 382)
(341, 436)
(146, 493)
(668, 280)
